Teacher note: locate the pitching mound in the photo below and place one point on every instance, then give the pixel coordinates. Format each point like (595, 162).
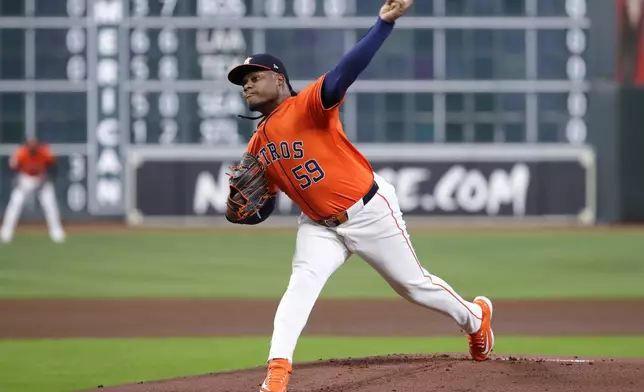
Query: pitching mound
(406, 373)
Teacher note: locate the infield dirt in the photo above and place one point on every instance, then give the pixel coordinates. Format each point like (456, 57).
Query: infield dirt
(404, 373)
(31, 319)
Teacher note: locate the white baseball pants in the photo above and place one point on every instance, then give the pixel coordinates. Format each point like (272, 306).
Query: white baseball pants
(377, 233)
(47, 198)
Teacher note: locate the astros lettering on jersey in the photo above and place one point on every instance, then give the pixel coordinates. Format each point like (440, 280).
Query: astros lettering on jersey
(294, 142)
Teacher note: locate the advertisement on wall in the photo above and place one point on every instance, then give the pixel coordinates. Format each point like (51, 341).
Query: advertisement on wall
(505, 186)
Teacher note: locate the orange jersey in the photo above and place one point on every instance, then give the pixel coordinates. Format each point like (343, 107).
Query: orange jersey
(308, 156)
(32, 165)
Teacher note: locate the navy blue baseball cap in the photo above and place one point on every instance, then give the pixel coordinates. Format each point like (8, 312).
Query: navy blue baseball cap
(257, 62)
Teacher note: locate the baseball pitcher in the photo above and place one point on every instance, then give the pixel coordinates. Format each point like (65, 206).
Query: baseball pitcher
(300, 148)
(35, 165)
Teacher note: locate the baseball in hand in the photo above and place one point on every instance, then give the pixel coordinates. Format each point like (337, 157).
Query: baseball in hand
(394, 9)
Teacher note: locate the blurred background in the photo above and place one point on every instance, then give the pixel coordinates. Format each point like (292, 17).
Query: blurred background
(524, 109)
(480, 112)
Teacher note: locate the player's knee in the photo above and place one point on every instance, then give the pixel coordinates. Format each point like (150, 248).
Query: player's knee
(301, 277)
(17, 196)
(305, 278)
(411, 291)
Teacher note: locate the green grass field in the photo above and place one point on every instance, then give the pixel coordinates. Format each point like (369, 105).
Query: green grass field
(211, 264)
(80, 364)
(176, 264)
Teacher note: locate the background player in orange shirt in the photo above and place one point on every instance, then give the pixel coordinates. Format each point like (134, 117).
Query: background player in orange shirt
(346, 207)
(34, 164)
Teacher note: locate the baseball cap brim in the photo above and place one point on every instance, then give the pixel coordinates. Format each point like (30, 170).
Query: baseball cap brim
(237, 74)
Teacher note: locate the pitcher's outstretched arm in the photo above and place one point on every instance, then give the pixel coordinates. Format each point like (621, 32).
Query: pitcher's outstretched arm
(338, 80)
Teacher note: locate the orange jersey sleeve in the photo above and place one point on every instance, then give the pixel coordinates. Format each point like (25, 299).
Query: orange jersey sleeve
(48, 157)
(310, 99)
(17, 157)
(308, 156)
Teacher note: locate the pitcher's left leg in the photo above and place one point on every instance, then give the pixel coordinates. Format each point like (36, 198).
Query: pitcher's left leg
(318, 254)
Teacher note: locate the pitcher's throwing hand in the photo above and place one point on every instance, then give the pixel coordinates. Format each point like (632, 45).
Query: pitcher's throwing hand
(394, 9)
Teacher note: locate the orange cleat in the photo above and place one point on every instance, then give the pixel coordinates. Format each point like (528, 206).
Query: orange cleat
(277, 377)
(482, 342)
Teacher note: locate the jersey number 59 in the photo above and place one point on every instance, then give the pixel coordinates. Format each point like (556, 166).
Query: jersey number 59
(308, 174)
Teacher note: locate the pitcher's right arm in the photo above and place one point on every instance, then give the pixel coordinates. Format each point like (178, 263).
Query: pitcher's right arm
(338, 80)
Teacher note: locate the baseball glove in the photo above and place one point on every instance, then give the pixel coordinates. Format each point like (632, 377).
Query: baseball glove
(248, 188)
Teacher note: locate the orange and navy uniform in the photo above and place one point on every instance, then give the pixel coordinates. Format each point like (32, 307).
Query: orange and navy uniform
(302, 142)
(308, 156)
(32, 164)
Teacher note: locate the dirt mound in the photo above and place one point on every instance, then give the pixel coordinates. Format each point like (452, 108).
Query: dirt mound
(407, 373)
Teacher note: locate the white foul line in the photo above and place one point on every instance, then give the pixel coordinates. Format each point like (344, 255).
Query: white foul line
(549, 360)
